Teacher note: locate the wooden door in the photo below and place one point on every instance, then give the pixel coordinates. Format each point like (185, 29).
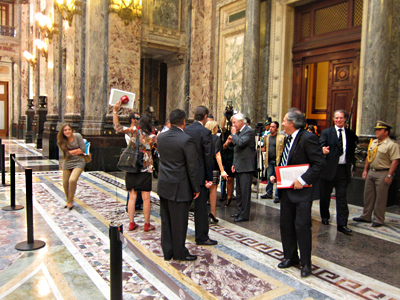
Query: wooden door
(342, 89)
(3, 108)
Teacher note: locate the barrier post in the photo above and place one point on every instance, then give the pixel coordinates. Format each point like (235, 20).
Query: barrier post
(3, 164)
(115, 261)
(12, 188)
(30, 244)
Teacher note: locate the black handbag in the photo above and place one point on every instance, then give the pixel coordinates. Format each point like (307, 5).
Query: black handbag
(131, 160)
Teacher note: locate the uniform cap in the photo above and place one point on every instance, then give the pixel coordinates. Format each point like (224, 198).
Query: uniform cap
(382, 125)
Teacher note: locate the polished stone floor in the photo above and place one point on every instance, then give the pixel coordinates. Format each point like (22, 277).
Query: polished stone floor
(75, 262)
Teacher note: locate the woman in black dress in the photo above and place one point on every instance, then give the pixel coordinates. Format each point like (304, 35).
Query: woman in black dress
(218, 168)
(141, 181)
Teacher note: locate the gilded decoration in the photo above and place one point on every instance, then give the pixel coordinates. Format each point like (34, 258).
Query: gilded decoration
(166, 13)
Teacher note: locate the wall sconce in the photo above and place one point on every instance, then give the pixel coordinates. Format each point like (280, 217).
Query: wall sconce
(68, 8)
(46, 25)
(128, 10)
(30, 58)
(42, 47)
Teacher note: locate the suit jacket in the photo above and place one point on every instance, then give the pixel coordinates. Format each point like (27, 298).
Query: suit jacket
(244, 158)
(178, 175)
(329, 138)
(205, 150)
(306, 150)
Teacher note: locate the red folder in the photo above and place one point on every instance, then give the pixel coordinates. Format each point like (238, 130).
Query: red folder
(286, 175)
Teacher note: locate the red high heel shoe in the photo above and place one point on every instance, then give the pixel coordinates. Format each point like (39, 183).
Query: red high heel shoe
(148, 227)
(133, 226)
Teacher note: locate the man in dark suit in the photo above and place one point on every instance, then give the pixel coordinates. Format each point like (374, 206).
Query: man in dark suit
(338, 144)
(301, 147)
(178, 184)
(205, 153)
(244, 165)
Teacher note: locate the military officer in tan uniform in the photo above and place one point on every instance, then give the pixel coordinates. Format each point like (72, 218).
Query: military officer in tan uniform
(382, 160)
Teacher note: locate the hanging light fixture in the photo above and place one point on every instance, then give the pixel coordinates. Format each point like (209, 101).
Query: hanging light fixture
(42, 47)
(46, 25)
(30, 58)
(68, 8)
(128, 10)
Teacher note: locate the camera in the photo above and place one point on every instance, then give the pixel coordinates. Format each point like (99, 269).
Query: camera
(229, 110)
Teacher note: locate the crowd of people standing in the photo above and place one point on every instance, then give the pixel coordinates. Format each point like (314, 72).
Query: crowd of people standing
(193, 158)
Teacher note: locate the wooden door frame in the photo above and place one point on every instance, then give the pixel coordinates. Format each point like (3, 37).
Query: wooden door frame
(5, 131)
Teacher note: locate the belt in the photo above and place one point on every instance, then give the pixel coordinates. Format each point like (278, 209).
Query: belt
(379, 170)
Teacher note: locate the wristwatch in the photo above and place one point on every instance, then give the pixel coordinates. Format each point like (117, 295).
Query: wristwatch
(390, 176)
(114, 112)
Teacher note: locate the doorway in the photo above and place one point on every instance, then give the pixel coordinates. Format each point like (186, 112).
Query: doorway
(326, 60)
(330, 85)
(3, 108)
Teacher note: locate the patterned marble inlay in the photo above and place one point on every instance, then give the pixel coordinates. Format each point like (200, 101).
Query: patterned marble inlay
(341, 281)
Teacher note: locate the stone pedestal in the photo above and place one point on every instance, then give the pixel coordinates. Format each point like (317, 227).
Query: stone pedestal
(21, 127)
(30, 112)
(41, 112)
(50, 149)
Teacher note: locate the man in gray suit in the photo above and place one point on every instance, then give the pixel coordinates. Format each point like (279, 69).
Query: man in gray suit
(178, 184)
(244, 165)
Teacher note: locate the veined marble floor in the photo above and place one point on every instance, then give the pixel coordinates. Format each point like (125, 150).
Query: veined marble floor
(74, 264)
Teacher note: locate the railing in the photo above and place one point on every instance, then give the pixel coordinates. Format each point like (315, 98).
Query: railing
(7, 30)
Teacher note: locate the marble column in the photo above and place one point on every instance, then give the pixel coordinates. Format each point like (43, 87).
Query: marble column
(377, 63)
(251, 58)
(113, 53)
(53, 90)
(260, 114)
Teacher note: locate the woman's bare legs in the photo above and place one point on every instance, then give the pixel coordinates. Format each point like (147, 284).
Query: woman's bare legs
(131, 205)
(146, 206)
(213, 199)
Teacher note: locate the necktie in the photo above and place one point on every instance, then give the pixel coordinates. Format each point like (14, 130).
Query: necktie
(285, 155)
(340, 142)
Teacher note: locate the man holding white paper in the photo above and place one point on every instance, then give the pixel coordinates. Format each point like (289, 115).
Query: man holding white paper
(301, 147)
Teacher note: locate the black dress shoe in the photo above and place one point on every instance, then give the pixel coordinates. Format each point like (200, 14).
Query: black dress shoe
(235, 215)
(240, 220)
(361, 220)
(190, 257)
(344, 229)
(266, 196)
(167, 258)
(376, 224)
(209, 242)
(287, 263)
(325, 222)
(306, 270)
(277, 200)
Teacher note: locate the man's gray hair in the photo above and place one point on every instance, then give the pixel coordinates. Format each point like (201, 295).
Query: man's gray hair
(296, 116)
(238, 117)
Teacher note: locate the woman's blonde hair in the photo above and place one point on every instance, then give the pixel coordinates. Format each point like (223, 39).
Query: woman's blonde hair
(210, 125)
(62, 140)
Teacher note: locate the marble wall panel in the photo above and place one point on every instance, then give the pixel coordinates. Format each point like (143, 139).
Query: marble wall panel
(225, 34)
(166, 13)
(124, 56)
(233, 70)
(175, 88)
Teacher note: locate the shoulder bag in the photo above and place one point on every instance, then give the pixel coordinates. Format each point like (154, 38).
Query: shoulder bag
(131, 160)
